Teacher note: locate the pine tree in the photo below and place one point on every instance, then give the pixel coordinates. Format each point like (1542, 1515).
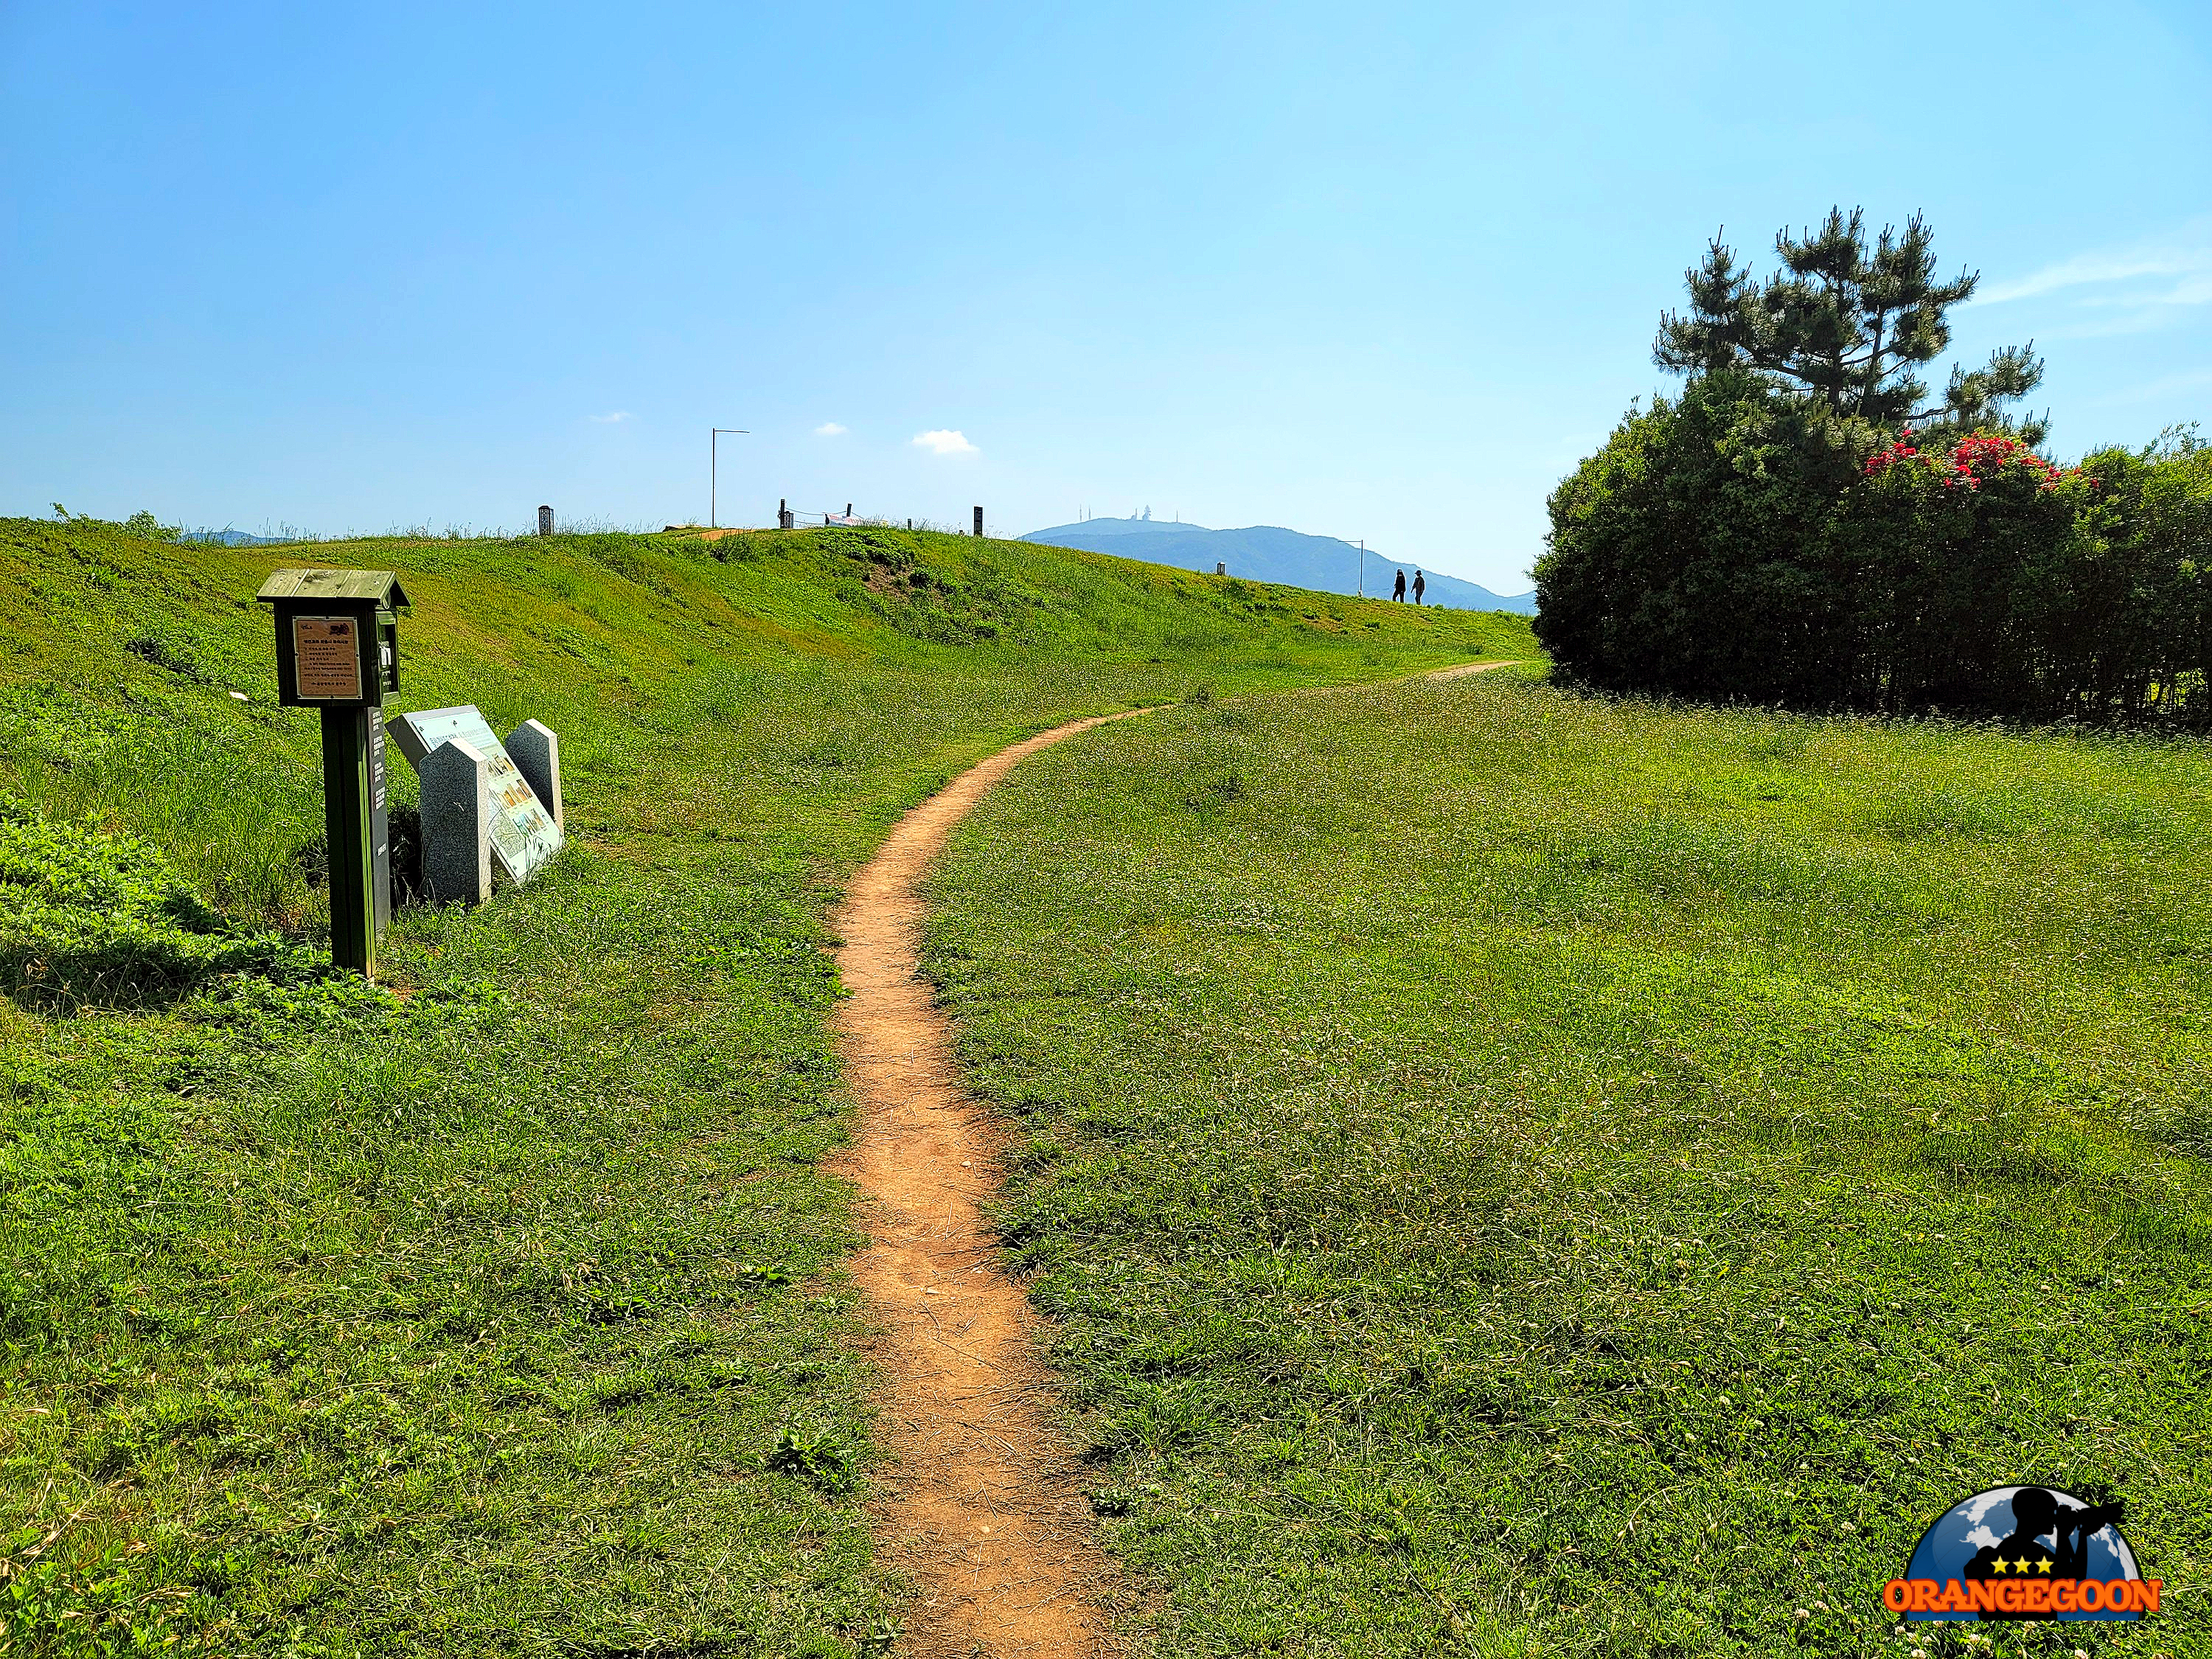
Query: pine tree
(1975, 400)
(1845, 325)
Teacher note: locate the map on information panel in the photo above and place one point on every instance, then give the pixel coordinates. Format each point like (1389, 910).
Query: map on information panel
(523, 833)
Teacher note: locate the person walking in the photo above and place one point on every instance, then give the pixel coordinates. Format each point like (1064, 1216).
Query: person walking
(1398, 592)
(1420, 584)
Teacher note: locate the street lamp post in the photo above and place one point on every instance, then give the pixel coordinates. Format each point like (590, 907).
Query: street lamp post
(714, 466)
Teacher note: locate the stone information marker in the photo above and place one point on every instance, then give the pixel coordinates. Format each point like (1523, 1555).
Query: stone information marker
(522, 832)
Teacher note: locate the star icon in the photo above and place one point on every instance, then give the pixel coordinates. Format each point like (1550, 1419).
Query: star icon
(2000, 1565)
(2043, 1566)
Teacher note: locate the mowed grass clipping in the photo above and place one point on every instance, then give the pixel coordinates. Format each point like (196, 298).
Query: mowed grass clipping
(1521, 1175)
(505, 1314)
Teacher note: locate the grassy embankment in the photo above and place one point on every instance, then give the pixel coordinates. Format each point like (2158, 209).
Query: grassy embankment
(1529, 1176)
(506, 1315)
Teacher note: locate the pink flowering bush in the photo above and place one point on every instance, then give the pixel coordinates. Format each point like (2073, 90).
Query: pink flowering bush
(1735, 545)
(1956, 557)
(1972, 461)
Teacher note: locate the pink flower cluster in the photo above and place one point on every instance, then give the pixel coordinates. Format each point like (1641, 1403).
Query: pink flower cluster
(1898, 450)
(1971, 460)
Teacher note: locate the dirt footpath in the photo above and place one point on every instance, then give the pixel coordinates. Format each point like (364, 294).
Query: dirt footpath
(984, 1509)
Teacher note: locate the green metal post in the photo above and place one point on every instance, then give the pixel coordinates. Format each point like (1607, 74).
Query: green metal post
(337, 652)
(358, 828)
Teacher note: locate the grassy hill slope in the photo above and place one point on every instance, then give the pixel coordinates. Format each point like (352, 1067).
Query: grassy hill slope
(1527, 1175)
(502, 1311)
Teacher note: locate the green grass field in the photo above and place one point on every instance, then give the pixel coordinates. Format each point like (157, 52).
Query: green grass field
(506, 1315)
(1522, 1175)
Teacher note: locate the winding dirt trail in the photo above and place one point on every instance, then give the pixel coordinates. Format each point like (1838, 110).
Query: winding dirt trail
(985, 1512)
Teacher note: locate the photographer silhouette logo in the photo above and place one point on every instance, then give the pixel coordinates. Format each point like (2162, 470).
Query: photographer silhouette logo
(2015, 1553)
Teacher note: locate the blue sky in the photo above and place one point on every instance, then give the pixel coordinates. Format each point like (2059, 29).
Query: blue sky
(1382, 271)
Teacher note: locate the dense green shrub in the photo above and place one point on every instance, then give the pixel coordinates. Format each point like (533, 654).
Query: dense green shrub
(2151, 519)
(1967, 569)
(1742, 544)
(1679, 560)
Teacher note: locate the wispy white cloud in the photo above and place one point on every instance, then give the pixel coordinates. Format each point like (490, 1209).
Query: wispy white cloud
(828, 429)
(2098, 270)
(945, 443)
(2117, 290)
(2154, 391)
(618, 415)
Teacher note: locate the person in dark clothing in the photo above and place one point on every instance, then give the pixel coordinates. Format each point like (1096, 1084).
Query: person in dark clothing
(1420, 584)
(2036, 1511)
(1398, 592)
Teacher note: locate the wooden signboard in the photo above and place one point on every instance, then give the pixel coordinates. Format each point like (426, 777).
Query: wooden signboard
(523, 833)
(337, 652)
(327, 653)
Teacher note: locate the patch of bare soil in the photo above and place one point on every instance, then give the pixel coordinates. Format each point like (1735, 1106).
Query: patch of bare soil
(1458, 669)
(984, 1511)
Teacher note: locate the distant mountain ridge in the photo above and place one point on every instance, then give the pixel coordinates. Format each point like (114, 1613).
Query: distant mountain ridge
(1268, 553)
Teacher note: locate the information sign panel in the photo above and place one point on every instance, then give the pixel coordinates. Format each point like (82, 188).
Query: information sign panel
(523, 833)
(327, 654)
(379, 830)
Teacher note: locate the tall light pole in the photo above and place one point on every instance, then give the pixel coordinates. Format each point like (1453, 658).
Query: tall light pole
(713, 480)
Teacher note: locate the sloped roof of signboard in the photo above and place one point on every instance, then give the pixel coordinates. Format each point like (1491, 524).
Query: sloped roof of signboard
(379, 587)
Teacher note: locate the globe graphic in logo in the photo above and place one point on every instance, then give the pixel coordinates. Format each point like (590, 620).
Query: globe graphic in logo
(2025, 1531)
